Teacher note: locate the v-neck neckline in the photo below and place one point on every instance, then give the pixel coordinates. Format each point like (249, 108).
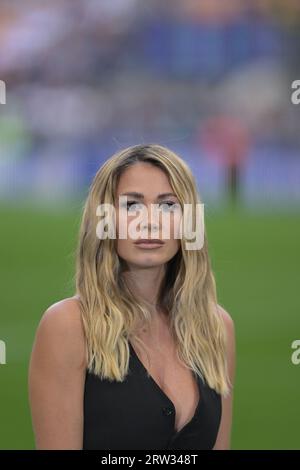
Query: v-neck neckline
(165, 396)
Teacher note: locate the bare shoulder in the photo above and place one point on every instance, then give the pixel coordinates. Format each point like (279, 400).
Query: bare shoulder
(229, 323)
(60, 330)
(65, 313)
(56, 377)
(223, 441)
(231, 340)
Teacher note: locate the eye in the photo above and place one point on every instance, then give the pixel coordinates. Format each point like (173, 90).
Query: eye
(169, 206)
(165, 206)
(130, 205)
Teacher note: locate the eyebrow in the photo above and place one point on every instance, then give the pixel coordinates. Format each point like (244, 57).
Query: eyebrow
(141, 196)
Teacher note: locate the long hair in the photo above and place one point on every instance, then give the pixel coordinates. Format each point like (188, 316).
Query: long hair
(110, 311)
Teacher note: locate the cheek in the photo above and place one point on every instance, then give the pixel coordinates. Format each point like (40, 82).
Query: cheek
(173, 226)
(177, 225)
(121, 243)
(123, 247)
(123, 223)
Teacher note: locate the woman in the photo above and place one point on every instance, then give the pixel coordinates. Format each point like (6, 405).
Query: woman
(142, 356)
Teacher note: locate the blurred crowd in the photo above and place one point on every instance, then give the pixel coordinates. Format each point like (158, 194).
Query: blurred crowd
(211, 79)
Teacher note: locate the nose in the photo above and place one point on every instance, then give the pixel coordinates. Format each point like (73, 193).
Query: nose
(150, 218)
(151, 227)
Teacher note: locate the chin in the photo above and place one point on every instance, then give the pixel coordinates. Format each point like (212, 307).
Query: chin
(146, 262)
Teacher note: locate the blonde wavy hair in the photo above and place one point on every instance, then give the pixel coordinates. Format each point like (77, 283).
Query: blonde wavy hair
(110, 311)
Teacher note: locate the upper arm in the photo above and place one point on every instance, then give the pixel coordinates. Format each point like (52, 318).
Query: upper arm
(56, 378)
(223, 440)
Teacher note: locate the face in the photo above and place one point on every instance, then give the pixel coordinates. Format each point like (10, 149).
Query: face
(138, 219)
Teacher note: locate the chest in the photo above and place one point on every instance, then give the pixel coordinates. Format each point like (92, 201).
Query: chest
(174, 379)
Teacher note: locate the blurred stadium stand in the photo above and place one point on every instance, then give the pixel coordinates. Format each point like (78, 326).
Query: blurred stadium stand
(85, 79)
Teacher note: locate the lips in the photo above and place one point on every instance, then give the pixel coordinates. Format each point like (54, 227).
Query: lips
(149, 241)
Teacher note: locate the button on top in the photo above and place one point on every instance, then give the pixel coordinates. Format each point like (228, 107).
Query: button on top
(167, 410)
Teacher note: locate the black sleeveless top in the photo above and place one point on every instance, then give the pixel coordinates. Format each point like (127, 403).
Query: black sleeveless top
(137, 415)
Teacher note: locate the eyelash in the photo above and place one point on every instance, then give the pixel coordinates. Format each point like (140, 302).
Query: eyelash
(129, 203)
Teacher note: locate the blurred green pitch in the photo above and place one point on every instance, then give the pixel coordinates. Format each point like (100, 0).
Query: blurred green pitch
(255, 258)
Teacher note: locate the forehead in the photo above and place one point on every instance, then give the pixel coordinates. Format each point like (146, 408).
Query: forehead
(144, 178)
